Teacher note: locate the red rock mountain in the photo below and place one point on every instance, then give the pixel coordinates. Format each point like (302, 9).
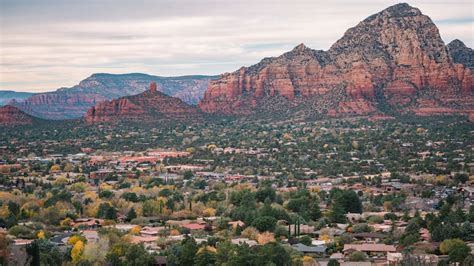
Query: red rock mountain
(149, 105)
(70, 103)
(393, 61)
(12, 116)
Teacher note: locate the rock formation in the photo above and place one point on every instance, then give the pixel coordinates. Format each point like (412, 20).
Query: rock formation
(150, 105)
(12, 116)
(68, 103)
(393, 61)
(461, 54)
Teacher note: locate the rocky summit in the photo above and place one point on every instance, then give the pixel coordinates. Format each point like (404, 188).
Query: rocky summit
(392, 62)
(461, 54)
(12, 116)
(149, 105)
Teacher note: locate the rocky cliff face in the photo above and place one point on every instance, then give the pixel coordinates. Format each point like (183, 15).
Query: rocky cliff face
(461, 54)
(392, 61)
(150, 105)
(68, 103)
(12, 116)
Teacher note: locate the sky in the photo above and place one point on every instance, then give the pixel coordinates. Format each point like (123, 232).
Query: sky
(48, 44)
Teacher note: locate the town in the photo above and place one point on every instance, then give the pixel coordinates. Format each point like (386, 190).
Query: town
(236, 192)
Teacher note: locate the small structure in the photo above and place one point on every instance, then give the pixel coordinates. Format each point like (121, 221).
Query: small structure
(316, 250)
(370, 249)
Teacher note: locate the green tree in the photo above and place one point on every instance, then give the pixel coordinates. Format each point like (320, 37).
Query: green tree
(456, 249)
(314, 210)
(205, 257)
(337, 214)
(265, 223)
(306, 240)
(131, 215)
(188, 251)
(357, 256)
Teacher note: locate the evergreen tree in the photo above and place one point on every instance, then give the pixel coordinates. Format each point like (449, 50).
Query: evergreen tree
(131, 215)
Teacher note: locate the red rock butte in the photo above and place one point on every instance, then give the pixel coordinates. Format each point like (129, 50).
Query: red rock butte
(148, 105)
(10, 115)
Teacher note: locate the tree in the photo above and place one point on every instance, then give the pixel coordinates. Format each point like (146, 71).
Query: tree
(188, 175)
(456, 249)
(274, 253)
(106, 211)
(131, 215)
(188, 251)
(314, 210)
(33, 253)
(265, 237)
(357, 256)
(333, 262)
(14, 208)
(265, 223)
(337, 215)
(350, 201)
(205, 256)
(95, 252)
(136, 255)
(76, 251)
(461, 178)
(306, 240)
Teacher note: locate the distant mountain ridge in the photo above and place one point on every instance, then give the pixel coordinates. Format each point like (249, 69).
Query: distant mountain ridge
(70, 103)
(8, 95)
(392, 62)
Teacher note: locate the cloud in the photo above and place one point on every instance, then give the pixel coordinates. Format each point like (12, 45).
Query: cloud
(49, 44)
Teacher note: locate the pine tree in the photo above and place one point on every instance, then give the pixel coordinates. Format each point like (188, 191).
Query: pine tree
(131, 215)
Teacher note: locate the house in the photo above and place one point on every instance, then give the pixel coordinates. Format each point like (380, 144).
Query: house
(370, 249)
(87, 223)
(192, 226)
(239, 241)
(234, 224)
(317, 250)
(394, 258)
(304, 229)
(469, 192)
(91, 235)
(150, 231)
(369, 236)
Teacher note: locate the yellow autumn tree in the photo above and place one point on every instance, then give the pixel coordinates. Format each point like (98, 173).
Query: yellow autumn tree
(66, 222)
(74, 239)
(40, 234)
(135, 230)
(77, 251)
(208, 212)
(265, 237)
(250, 233)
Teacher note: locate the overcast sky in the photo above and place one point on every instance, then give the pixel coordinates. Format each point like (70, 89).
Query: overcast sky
(47, 44)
